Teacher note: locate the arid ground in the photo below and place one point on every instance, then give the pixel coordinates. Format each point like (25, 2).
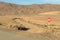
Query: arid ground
(20, 22)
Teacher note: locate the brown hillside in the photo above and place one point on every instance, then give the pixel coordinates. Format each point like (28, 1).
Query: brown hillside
(23, 18)
(7, 8)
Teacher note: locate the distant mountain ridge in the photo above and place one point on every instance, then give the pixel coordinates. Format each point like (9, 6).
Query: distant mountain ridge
(14, 9)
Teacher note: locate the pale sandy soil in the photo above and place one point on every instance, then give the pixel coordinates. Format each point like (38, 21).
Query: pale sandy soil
(37, 24)
(6, 34)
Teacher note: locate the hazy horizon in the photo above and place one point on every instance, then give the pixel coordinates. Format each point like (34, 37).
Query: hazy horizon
(29, 2)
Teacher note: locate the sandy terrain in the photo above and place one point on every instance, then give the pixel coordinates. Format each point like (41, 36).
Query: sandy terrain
(29, 22)
(6, 34)
(37, 24)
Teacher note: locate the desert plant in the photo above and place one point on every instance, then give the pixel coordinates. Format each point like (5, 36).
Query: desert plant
(19, 27)
(0, 23)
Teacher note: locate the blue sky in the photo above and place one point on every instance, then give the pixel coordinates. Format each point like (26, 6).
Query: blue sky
(26, 2)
